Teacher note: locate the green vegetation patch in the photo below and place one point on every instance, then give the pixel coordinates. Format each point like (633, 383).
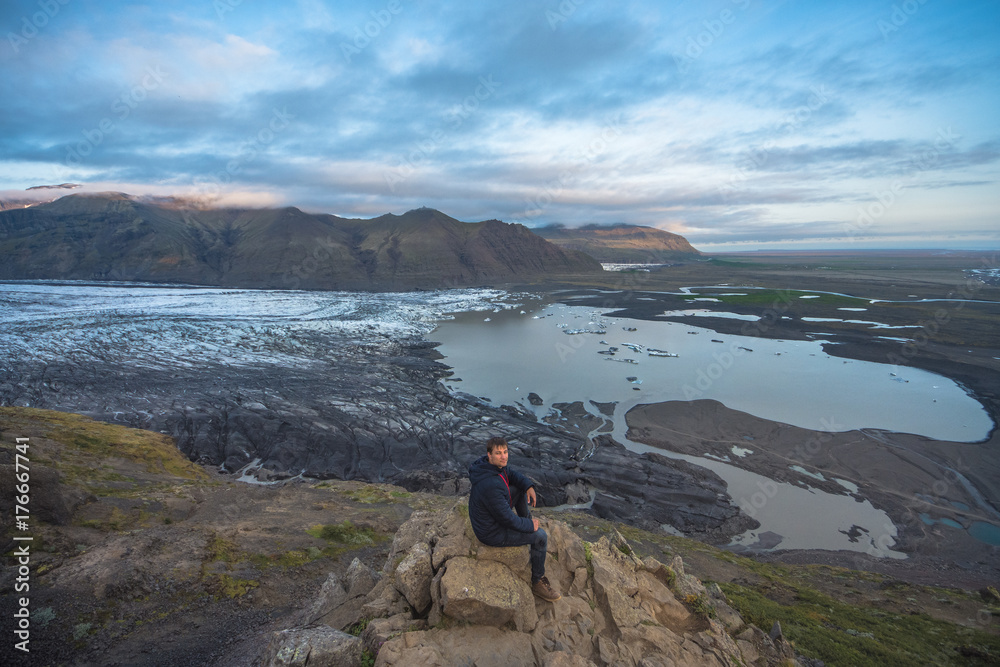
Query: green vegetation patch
(842, 634)
(221, 549)
(770, 571)
(294, 558)
(115, 522)
(81, 630)
(700, 605)
(357, 628)
(229, 586)
(345, 533)
(588, 553)
(224, 584)
(43, 616)
(288, 559)
(371, 494)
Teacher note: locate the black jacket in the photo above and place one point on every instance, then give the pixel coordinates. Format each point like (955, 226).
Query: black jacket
(489, 501)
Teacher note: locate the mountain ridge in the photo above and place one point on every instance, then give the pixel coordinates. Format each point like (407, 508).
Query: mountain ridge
(115, 236)
(621, 242)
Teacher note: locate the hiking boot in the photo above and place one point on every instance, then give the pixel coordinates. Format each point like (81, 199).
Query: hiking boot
(544, 590)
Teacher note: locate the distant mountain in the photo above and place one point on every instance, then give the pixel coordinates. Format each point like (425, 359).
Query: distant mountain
(114, 236)
(620, 243)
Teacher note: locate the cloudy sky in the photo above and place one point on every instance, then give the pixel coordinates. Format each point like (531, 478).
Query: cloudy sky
(741, 124)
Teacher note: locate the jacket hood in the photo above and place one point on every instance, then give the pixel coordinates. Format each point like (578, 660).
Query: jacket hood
(481, 469)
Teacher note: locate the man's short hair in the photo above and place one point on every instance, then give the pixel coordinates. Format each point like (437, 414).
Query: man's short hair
(494, 443)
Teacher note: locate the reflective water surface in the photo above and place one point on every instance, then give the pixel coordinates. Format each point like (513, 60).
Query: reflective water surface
(563, 354)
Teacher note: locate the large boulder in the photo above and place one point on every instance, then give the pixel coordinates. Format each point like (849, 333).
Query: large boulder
(360, 579)
(485, 592)
(380, 630)
(616, 586)
(316, 647)
(413, 577)
(453, 537)
(515, 559)
(686, 584)
(416, 529)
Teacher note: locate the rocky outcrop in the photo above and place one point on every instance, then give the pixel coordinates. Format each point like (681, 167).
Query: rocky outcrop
(445, 599)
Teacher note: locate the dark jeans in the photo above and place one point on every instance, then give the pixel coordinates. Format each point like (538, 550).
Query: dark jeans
(538, 540)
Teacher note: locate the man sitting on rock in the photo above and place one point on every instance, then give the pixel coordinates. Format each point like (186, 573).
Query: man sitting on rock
(498, 509)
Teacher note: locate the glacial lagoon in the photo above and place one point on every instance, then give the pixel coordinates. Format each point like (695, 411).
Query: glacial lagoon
(792, 382)
(561, 353)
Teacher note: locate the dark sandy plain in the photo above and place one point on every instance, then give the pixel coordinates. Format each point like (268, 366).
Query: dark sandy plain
(917, 481)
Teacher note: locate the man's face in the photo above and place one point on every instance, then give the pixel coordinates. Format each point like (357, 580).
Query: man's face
(498, 456)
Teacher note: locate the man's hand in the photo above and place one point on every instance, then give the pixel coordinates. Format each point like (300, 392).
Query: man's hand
(530, 497)
(534, 522)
